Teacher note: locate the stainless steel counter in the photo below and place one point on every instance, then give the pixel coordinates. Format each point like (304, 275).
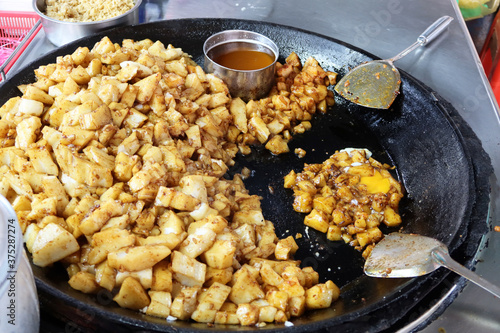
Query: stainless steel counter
(450, 66)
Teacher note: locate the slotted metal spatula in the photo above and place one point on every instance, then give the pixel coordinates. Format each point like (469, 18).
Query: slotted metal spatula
(409, 255)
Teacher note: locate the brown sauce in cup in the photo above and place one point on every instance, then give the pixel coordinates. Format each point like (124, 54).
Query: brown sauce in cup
(242, 56)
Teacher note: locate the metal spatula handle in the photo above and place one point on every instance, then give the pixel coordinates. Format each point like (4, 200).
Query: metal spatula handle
(434, 30)
(442, 257)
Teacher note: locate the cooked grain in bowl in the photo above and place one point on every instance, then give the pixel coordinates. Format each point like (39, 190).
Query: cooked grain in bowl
(86, 10)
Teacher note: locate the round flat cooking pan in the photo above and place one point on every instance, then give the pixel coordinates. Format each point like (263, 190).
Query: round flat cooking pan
(438, 159)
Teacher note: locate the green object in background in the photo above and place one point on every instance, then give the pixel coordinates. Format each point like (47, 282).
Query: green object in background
(472, 13)
(479, 11)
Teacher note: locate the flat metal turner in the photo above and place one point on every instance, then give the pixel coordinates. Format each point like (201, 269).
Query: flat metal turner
(409, 255)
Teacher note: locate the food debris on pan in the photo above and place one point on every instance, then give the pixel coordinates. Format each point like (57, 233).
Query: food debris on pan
(114, 162)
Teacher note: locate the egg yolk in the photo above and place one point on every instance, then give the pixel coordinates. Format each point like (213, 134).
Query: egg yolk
(376, 183)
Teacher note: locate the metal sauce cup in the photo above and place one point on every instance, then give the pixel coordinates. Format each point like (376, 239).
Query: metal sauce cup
(246, 84)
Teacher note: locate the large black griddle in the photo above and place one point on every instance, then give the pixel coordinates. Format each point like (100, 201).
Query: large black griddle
(438, 158)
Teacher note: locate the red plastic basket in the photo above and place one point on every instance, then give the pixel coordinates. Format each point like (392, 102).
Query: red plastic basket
(14, 27)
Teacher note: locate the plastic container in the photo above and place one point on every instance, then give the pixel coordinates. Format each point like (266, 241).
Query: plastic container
(470, 12)
(14, 28)
(19, 307)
